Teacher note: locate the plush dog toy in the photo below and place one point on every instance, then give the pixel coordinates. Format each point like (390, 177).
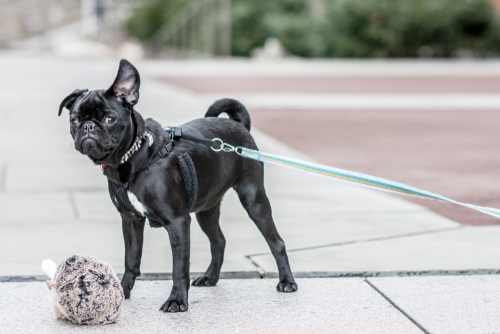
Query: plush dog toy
(85, 290)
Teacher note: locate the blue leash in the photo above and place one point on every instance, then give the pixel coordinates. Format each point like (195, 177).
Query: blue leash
(345, 176)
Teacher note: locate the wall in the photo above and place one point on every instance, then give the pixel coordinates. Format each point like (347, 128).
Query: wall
(25, 18)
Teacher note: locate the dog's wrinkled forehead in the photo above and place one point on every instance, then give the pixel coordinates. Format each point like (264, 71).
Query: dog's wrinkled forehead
(94, 104)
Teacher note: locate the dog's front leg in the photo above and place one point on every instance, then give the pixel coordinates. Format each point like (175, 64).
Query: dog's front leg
(133, 236)
(178, 233)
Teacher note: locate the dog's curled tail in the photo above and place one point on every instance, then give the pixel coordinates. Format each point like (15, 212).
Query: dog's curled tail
(233, 108)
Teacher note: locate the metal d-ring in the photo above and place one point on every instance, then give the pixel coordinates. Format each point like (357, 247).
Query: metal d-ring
(221, 145)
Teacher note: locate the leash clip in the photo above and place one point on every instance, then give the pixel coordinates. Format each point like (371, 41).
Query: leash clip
(226, 147)
(223, 146)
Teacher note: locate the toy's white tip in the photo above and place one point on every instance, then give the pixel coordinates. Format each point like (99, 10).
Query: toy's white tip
(49, 267)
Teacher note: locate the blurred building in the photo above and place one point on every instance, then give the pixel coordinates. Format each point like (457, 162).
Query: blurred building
(48, 22)
(25, 18)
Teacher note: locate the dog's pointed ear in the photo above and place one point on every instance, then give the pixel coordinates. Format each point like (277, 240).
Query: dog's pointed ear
(127, 83)
(70, 99)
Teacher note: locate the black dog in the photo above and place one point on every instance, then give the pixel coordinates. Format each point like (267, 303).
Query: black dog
(145, 168)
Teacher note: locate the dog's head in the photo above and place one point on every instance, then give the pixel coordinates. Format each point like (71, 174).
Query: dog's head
(103, 123)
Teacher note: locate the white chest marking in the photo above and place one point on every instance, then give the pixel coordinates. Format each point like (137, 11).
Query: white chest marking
(136, 204)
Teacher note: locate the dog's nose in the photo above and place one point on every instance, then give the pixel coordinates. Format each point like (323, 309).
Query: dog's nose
(89, 127)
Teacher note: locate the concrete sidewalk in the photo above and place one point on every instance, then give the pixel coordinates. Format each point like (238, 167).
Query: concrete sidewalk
(54, 203)
(396, 305)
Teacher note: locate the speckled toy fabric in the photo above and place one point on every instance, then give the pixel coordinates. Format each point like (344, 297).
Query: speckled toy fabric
(89, 290)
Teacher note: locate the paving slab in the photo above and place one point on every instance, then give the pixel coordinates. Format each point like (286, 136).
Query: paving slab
(233, 306)
(48, 177)
(34, 208)
(447, 305)
(467, 248)
(92, 205)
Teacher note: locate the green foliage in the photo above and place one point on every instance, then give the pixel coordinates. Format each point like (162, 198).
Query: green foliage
(400, 28)
(289, 20)
(151, 15)
(349, 28)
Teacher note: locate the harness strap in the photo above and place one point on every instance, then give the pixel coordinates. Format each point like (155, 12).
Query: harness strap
(162, 153)
(177, 133)
(190, 179)
(120, 199)
(119, 194)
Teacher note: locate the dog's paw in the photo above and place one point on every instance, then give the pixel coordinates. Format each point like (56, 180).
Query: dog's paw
(173, 306)
(127, 285)
(285, 286)
(126, 290)
(204, 281)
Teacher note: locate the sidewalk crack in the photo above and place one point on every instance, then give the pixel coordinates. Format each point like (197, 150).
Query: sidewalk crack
(404, 235)
(397, 307)
(261, 270)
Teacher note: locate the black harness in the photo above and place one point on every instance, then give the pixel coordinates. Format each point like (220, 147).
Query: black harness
(119, 194)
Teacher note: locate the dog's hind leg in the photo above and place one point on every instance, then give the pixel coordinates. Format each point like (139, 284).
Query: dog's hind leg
(254, 199)
(209, 223)
(133, 234)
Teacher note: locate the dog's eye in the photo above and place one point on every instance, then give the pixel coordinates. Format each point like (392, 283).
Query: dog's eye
(109, 120)
(74, 121)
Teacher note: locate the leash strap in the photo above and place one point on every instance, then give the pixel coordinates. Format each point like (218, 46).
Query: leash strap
(354, 178)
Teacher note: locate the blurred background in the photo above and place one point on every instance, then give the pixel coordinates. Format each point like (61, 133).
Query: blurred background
(259, 28)
(399, 89)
